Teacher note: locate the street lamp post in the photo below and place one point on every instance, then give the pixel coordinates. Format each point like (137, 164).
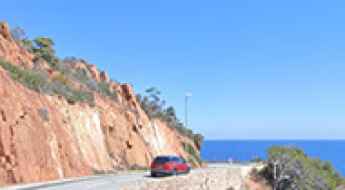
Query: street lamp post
(187, 95)
(275, 175)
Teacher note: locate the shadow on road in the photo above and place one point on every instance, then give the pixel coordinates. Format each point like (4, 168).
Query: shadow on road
(156, 177)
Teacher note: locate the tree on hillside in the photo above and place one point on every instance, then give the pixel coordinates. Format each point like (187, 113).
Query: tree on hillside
(152, 103)
(44, 42)
(44, 48)
(155, 107)
(170, 114)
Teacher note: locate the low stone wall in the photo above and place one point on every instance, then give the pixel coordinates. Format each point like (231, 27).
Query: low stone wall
(222, 178)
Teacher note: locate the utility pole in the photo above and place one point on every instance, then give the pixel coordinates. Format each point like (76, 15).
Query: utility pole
(187, 95)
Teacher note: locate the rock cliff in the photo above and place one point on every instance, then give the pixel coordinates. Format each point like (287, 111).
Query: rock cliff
(46, 137)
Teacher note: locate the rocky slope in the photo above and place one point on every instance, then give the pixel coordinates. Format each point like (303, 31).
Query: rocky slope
(45, 137)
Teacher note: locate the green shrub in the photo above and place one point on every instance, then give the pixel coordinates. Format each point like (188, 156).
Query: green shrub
(29, 78)
(104, 89)
(81, 75)
(297, 170)
(39, 82)
(192, 152)
(84, 77)
(70, 94)
(81, 96)
(44, 48)
(154, 107)
(61, 78)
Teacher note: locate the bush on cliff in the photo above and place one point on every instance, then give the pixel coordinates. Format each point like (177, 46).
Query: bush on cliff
(104, 89)
(19, 35)
(31, 79)
(295, 170)
(83, 76)
(43, 49)
(195, 157)
(39, 82)
(154, 107)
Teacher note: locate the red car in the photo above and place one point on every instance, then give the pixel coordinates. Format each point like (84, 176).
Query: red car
(169, 165)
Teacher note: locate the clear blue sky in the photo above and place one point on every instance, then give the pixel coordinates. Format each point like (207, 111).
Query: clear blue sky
(257, 69)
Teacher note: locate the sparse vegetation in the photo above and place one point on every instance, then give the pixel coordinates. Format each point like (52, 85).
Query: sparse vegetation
(104, 89)
(295, 170)
(195, 157)
(21, 38)
(154, 107)
(83, 77)
(44, 48)
(39, 82)
(61, 78)
(31, 79)
(61, 83)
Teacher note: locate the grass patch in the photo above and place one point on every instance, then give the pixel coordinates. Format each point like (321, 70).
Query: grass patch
(40, 82)
(104, 89)
(31, 79)
(83, 76)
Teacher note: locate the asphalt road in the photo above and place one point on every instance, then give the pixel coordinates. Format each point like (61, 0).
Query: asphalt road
(101, 182)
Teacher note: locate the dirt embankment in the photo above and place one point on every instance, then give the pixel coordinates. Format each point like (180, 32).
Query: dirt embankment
(218, 178)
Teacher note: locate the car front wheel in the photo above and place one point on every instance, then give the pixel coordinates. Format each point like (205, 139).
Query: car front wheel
(153, 174)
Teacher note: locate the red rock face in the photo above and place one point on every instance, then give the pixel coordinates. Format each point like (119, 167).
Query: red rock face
(32, 147)
(44, 138)
(10, 51)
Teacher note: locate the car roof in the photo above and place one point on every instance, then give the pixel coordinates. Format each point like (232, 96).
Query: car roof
(167, 156)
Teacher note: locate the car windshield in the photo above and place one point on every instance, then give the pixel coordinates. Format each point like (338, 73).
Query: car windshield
(161, 160)
(175, 159)
(178, 159)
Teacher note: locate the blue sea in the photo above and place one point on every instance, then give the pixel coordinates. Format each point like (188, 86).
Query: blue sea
(245, 150)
